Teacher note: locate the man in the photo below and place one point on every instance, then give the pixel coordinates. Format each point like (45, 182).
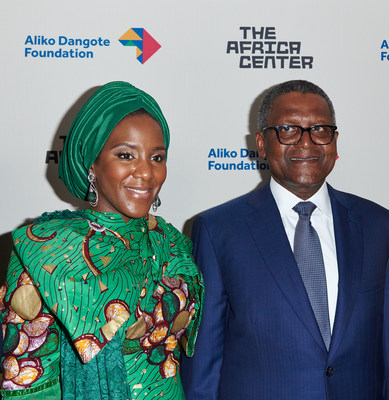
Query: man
(294, 292)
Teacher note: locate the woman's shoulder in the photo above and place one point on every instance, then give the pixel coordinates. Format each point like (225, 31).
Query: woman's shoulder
(170, 233)
(51, 225)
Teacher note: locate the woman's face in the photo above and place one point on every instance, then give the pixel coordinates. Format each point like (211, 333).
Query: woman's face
(131, 167)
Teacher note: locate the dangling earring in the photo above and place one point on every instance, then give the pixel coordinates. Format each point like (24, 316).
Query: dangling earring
(93, 196)
(156, 203)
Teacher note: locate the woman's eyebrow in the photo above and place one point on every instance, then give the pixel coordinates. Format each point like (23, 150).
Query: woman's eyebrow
(135, 146)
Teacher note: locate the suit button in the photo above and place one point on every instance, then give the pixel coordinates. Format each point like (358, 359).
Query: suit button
(330, 371)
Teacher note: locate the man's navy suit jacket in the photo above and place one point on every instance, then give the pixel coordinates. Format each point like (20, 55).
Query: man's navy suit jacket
(259, 339)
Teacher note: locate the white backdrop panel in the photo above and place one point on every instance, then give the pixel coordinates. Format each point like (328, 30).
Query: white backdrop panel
(207, 99)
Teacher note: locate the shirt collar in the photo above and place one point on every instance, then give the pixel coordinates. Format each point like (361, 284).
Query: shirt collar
(286, 200)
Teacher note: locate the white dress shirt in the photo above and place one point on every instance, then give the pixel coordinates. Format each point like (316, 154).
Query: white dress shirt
(322, 221)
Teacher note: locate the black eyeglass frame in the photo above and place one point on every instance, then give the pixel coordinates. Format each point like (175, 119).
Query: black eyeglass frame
(276, 128)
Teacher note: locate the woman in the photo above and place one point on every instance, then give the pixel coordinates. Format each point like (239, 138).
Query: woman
(98, 303)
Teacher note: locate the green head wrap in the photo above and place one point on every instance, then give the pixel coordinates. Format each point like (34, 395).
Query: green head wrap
(93, 125)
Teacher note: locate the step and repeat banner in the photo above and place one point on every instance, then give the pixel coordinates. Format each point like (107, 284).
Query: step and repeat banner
(207, 64)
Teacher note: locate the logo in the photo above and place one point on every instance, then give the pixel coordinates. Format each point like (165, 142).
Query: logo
(41, 46)
(244, 159)
(261, 48)
(53, 156)
(384, 54)
(145, 44)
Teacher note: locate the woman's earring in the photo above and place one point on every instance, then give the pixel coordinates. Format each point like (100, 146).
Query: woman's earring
(156, 203)
(93, 196)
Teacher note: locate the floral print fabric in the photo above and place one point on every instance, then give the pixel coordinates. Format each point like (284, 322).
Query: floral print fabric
(94, 277)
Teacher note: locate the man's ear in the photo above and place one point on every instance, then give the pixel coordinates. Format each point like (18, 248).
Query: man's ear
(260, 140)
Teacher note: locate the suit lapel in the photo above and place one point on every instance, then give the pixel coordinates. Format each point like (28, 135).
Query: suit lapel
(349, 249)
(269, 235)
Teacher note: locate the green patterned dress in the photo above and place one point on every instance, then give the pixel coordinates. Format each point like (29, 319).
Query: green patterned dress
(96, 308)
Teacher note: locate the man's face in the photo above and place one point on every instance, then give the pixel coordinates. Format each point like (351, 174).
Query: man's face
(301, 168)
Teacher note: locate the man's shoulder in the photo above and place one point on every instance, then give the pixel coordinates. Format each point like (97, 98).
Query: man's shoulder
(237, 209)
(359, 205)
(238, 206)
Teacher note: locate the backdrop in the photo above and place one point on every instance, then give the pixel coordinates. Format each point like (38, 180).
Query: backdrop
(206, 63)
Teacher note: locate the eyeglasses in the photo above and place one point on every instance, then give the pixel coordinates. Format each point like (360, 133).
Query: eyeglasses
(292, 134)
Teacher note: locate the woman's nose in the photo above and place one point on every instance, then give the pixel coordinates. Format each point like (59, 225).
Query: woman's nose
(142, 169)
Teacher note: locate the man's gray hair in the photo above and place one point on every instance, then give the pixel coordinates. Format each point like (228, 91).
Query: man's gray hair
(300, 86)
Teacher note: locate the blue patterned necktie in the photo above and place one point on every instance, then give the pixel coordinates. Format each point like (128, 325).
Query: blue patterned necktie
(309, 258)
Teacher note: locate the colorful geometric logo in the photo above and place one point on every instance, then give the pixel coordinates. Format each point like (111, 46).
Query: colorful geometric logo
(145, 44)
